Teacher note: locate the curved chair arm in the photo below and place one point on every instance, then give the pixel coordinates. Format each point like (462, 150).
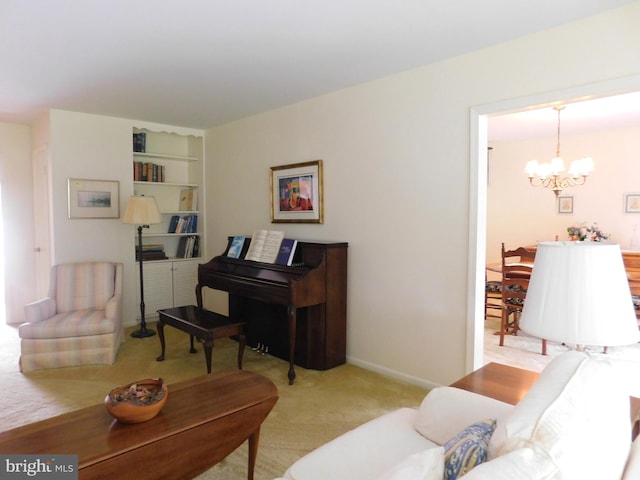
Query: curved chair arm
(113, 308)
(40, 310)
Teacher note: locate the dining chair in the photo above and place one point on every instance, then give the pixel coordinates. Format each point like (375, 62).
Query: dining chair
(517, 266)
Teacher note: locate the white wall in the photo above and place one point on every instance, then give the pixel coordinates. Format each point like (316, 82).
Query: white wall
(17, 210)
(521, 215)
(397, 170)
(93, 147)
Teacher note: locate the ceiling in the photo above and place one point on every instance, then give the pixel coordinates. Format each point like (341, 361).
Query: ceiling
(606, 113)
(202, 63)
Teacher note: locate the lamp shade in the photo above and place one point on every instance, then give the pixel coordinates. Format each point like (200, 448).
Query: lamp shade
(142, 211)
(579, 294)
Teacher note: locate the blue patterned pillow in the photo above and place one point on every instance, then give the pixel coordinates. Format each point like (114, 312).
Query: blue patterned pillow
(467, 449)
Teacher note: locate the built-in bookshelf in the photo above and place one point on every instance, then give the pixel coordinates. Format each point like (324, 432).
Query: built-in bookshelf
(169, 166)
(170, 169)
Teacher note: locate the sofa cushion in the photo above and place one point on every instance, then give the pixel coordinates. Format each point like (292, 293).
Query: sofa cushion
(364, 452)
(445, 411)
(467, 449)
(425, 465)
(577, 413)
(521, 464)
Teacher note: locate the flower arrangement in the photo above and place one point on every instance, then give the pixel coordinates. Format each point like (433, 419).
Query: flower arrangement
(587, 234)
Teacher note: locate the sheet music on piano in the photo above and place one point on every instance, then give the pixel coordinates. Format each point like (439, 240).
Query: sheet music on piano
(264, 246)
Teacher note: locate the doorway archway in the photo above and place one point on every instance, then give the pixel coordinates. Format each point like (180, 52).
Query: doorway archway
(478, 191)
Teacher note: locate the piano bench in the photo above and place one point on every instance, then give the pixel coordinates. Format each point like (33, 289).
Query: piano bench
(204, 325)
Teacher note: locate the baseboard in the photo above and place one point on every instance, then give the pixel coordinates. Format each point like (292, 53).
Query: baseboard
(387, 372)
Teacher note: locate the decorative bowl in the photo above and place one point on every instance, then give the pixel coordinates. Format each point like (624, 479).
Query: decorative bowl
(137, 402)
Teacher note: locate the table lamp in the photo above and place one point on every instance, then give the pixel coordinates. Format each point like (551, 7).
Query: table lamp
(142, 211)
(579, 295)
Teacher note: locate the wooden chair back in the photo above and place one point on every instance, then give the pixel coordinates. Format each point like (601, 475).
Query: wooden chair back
(517, 266)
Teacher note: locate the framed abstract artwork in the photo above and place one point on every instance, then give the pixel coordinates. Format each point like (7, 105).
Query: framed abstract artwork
(296, 193)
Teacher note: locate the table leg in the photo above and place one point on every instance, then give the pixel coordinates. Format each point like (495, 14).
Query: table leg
(192, 349)
(253, 452)
(161, 337)
(292, 342)
(208, 351)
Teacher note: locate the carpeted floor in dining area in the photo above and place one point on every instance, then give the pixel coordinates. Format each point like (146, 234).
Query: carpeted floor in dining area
(320, 405)
(524, 351)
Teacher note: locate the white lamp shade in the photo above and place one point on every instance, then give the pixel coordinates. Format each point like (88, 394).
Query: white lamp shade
(579, 294)
(142, 211)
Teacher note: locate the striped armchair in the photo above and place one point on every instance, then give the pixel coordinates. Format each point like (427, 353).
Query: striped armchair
(79, 323)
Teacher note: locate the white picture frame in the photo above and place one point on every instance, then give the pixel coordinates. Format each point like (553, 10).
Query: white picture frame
(93, 198)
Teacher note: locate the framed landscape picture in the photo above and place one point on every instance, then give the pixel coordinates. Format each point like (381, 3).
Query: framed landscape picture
(296, 193)
(93, 198)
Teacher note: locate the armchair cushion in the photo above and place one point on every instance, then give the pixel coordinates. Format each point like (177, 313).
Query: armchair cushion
(80, 323)
(84, 285)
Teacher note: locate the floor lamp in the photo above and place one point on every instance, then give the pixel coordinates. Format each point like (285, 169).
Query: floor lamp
(579, 295)
(142, 211)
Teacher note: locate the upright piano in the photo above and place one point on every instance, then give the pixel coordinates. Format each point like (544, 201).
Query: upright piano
(297, 313)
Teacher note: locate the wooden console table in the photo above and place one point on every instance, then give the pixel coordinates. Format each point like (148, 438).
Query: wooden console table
(502, 382)
(203, 421)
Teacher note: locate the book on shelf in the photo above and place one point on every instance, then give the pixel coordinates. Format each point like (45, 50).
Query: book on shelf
(152, 247)
(151, 251)
(236, 247)
(264, 246)
(188, 247)
(148, 172)
(173, 223)
(152, 256)
(188, 200)
(195, 251)
(286, 252)
(139, 142)
(186, 224)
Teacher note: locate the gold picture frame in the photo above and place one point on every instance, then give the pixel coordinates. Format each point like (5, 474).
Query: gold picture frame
(296, 193)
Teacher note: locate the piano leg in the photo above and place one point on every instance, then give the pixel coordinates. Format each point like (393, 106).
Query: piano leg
(292, 313)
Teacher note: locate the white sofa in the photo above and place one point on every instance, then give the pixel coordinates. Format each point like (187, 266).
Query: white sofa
(572, 424)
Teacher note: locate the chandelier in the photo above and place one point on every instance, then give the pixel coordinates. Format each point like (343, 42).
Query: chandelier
(549, 174)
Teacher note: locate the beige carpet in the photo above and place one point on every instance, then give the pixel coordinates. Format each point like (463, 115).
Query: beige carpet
(319, 407)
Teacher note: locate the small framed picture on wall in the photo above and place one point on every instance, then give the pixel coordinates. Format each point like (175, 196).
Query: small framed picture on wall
(632, 203)
(565, 204)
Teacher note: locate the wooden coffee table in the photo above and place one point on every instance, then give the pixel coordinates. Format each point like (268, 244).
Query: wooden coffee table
(203, 421)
